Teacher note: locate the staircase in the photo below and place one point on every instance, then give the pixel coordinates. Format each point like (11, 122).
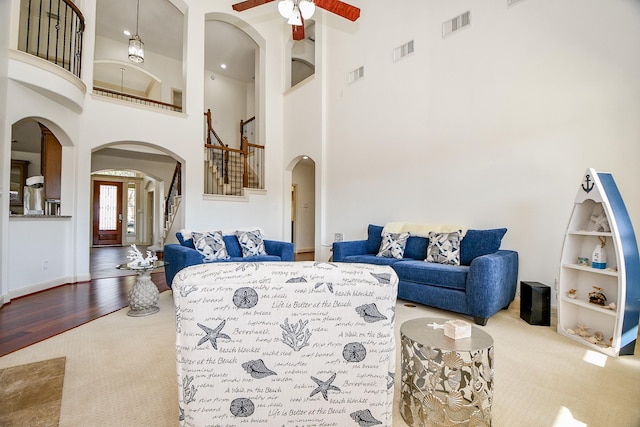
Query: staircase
(172, 202)
(228, 170)
(233, 184)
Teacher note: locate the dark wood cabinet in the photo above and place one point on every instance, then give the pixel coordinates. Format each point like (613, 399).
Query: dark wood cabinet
(51, 164)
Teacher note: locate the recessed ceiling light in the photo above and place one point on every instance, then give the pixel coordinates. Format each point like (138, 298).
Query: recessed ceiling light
(223, 65)
(127, 33)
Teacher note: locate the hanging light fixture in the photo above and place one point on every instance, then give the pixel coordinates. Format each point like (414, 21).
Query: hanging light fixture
(296, 10)
(136, 47)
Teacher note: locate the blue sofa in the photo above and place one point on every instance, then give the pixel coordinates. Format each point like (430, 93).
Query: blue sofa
(483, 284)
(179, 256)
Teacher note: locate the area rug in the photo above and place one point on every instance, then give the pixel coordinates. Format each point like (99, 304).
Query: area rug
(31, 394)
(120, 370)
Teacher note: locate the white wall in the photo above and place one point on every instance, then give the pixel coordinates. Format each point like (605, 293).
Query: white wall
(99, 123)
(227, 99)
(490, 127)
(168, 70)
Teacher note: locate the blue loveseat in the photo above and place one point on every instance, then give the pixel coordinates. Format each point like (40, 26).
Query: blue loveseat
(179, 256)
(483, 284)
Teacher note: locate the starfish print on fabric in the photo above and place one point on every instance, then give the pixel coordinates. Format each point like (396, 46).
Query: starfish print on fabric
(324, 386)
(212, 335)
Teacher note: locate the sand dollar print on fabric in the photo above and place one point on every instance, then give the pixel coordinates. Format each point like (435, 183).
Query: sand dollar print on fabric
(245, 297)
(242, 407)
(257, 369)
(354, 352)
(370, 313)
(364, 418)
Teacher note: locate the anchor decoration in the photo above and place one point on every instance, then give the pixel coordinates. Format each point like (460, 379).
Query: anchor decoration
(590, 184)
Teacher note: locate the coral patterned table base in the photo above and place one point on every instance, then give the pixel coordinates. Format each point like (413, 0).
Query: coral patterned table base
(143, 296)
(445, 382)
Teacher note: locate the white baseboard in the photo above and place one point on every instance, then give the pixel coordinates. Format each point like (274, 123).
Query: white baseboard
(39, 287)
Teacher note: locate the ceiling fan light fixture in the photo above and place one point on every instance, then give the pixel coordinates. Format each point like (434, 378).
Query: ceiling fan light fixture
(285, 7)
(295, 18)
(307, 8)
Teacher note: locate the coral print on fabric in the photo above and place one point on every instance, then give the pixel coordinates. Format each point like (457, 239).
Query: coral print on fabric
(277, 344)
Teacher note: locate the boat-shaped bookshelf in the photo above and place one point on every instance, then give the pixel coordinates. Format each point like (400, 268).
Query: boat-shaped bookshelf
(599, 305)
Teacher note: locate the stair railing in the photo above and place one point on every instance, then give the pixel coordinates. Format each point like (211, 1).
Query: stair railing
(175, 189)
(235, 168)
(53, 30)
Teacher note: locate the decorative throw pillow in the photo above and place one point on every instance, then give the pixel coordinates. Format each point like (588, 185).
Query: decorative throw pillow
(251, 242)
(392, 245)
(211, 245)
(444, 248)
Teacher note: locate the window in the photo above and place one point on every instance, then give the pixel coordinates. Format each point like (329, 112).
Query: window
(131, 208)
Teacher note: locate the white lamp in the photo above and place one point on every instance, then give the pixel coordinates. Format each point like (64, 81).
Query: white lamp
(136, 47)
(307, 8)
(296, 10)
(295, 18)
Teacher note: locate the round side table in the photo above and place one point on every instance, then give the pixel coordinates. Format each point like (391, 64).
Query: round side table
(144, 294)
(445, 381)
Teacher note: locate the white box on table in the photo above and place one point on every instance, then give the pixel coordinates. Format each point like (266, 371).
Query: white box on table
(457, 329)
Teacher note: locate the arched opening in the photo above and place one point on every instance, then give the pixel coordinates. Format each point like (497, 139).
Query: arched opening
(303, 208)
(35, 152)
(138, 177)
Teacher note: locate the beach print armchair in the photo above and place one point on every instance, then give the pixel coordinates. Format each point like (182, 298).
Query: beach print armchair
(280, 343)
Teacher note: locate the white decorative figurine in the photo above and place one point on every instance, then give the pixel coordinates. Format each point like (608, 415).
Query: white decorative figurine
(136, 259)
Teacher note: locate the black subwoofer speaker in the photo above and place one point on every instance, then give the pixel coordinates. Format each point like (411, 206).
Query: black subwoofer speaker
(535, 303)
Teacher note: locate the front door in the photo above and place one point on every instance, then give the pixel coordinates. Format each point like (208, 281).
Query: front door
(107, 213)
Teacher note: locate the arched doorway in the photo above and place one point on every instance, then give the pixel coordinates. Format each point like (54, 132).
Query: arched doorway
(303, 208)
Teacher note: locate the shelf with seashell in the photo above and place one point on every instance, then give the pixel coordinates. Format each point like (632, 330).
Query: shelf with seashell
(592, 296)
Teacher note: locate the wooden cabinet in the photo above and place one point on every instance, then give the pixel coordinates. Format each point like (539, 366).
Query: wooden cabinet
(18, 180)
(51, 164)
(600, 216)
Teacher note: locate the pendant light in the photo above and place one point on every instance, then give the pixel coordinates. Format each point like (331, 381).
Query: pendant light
(136, 47)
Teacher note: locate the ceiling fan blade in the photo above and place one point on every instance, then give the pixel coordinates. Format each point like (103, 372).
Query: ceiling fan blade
(248, 4)
(298, 32)
(339, 8)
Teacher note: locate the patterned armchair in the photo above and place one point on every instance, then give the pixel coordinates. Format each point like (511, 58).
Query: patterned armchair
(280, 343)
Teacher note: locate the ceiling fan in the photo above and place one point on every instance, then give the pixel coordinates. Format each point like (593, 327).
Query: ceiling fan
(296, 11)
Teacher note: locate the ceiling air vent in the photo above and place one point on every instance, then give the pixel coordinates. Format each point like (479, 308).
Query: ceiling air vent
(402, 51)
(356, 75)
(457, 23)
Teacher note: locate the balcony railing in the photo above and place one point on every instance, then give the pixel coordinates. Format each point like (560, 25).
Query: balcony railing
(52, 30)
(136, 99)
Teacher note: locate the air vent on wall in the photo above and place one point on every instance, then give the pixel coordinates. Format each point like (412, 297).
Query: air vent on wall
(356, 75)
(402, 51)
(457, 23)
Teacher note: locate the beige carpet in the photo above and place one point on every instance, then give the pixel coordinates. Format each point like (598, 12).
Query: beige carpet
(120, 371)
(31, 394)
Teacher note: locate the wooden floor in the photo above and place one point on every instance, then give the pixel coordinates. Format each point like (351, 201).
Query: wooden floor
(36, 317)
(32, 318)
